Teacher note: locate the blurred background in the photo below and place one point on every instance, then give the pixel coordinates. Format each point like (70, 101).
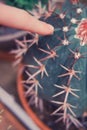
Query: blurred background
(8, 74)
(24, 4)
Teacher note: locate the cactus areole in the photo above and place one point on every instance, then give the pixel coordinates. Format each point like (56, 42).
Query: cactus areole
(56, 67)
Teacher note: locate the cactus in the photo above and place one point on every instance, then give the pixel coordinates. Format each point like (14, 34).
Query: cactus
(56, 67)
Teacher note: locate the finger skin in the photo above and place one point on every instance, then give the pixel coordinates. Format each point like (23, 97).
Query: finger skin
(20, 19)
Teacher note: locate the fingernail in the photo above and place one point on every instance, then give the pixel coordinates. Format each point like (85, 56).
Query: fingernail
(51, 29)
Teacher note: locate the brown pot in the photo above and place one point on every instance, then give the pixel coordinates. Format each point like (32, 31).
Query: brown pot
(9, 57)
(24, 102)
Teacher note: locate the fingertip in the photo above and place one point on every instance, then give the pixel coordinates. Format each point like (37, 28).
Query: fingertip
(47, 29)
(50, 29)
(39, 27)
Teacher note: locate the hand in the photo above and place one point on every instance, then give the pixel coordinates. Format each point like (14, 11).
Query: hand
(20, 19)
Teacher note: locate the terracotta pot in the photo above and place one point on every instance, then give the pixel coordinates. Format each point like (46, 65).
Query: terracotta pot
(9, 57)
(24, 102)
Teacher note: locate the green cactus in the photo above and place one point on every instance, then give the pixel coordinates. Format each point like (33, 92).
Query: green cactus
(57, 65)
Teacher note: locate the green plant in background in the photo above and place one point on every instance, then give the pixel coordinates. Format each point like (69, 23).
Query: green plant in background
(25, 4)
(56, 65)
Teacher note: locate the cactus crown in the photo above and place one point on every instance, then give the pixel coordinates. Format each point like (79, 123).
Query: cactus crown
(56, 65)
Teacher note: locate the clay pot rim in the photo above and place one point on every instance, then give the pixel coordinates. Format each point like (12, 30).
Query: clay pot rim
(26, 106)
(9, 57)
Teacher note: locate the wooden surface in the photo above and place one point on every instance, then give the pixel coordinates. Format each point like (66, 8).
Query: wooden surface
(8, 121)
